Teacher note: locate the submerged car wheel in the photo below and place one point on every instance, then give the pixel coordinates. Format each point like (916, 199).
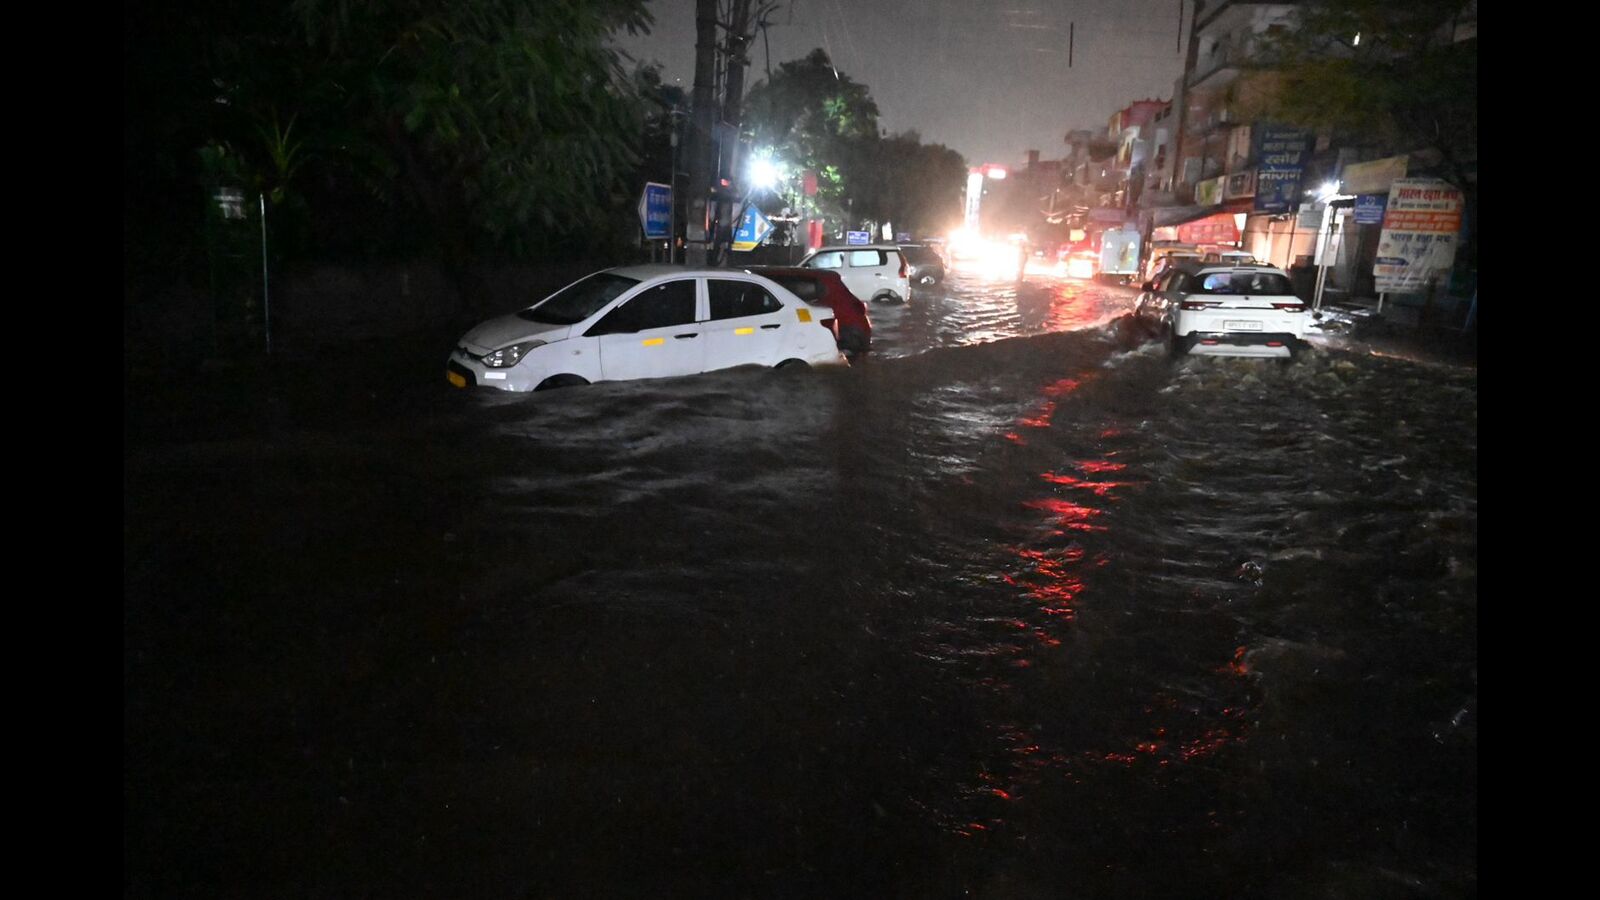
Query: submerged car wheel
(887, 297)
(853, 339)
(792, 365)
(1176, 346)
(560, 381)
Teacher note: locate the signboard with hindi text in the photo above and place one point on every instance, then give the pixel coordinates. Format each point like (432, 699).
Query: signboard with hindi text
(1418, 242)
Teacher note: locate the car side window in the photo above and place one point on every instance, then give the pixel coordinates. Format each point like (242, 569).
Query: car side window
(1176, 281)
(827, 261)
(866, 258)
(662, 306)
(736, 299)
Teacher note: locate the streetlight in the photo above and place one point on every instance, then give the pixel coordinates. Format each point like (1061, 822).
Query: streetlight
(765, 172)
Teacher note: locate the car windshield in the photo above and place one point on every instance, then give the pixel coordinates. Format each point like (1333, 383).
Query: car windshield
(1242, 283)
(579, 300)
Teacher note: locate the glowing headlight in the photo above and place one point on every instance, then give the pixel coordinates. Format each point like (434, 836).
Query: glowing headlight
(510, 356)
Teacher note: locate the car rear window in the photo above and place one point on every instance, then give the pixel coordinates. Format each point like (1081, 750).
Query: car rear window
(866, 258)
(1240, 283)
(737, 299)
(807, 289)
(919, 254)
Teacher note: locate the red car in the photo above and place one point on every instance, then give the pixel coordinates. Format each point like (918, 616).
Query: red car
(852, 330)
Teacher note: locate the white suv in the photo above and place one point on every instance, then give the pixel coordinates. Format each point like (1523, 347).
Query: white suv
(1220, 309)
(878, 272)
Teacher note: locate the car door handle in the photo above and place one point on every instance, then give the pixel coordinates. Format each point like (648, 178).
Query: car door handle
(765, 327)
(689, 335)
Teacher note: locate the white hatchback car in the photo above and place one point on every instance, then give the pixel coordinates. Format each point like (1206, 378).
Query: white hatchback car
(878, 272)
(1220, 309)
(645, 322)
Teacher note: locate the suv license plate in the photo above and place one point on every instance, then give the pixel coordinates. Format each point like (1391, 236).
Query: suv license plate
(1242, 325)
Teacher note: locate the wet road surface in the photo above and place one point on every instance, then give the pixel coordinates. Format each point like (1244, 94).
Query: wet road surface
(1014, 607)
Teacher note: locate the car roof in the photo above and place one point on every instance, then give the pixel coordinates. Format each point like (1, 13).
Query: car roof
(858, 247)
(797, 271)
(1195, 266)
(648, 271)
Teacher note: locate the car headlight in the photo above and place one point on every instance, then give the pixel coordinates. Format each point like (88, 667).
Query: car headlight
(510, 356)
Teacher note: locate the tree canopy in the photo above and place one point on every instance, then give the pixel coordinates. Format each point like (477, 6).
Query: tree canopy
(813, 116)
(1379, 72)
(481, 123)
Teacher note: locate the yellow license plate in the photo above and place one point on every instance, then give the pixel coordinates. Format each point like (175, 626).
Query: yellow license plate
(455, 379)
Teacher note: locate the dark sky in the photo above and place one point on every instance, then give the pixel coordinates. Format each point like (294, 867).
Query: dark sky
(989, 79)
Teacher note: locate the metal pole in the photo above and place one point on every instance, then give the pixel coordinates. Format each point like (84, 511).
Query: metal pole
(672, 229)
(266, 297)
(1380, 302)
(1322, 255)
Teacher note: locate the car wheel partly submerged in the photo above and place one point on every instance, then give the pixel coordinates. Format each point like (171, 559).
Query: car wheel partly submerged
(792, 365)
(1176, 346)
(853, 339)
(561, 381)
(887, 297)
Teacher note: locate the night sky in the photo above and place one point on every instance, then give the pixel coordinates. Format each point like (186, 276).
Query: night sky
(988, 79)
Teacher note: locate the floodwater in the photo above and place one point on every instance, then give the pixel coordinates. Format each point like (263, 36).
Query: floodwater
(1014, 607)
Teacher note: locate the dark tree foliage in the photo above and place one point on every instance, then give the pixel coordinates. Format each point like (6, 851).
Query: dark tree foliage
(1407, 84)
(815, 117)
(379, 128)
(916, 186)
(1404, 85)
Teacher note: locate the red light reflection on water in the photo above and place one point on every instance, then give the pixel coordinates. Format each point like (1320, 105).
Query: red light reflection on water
(1096, 467)
(1050, 581)
(1100, 488)
(1046, 412)
(1042, 419)
(1069, 515)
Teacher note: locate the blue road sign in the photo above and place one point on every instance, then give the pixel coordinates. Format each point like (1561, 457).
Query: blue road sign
(752, 230)
(858, 237)
(655, 211)
(1370, 207)
(902, 237)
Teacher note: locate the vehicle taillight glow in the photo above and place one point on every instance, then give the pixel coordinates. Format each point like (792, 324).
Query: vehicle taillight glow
(905, 271)
(1199, 304)
(1274, 343)
(1291, 307)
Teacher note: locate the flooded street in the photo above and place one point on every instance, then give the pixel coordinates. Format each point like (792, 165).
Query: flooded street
(1014, 607)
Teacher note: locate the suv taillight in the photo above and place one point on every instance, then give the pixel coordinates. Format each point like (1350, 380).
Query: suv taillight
(1291, 307)
(1198, 304)
(905, 270)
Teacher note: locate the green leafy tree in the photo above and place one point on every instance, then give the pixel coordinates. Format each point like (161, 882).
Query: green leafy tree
(899, 179)
(1394, 77)
(815, 117)
(454, 127)
(1382, 73)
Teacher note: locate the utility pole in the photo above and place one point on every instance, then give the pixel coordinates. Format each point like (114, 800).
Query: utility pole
(701, 135)
(735, 60)
(1182, 100)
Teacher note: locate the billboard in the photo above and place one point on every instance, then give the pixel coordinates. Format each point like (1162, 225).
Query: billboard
(1280, 163)
(1418, 241)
